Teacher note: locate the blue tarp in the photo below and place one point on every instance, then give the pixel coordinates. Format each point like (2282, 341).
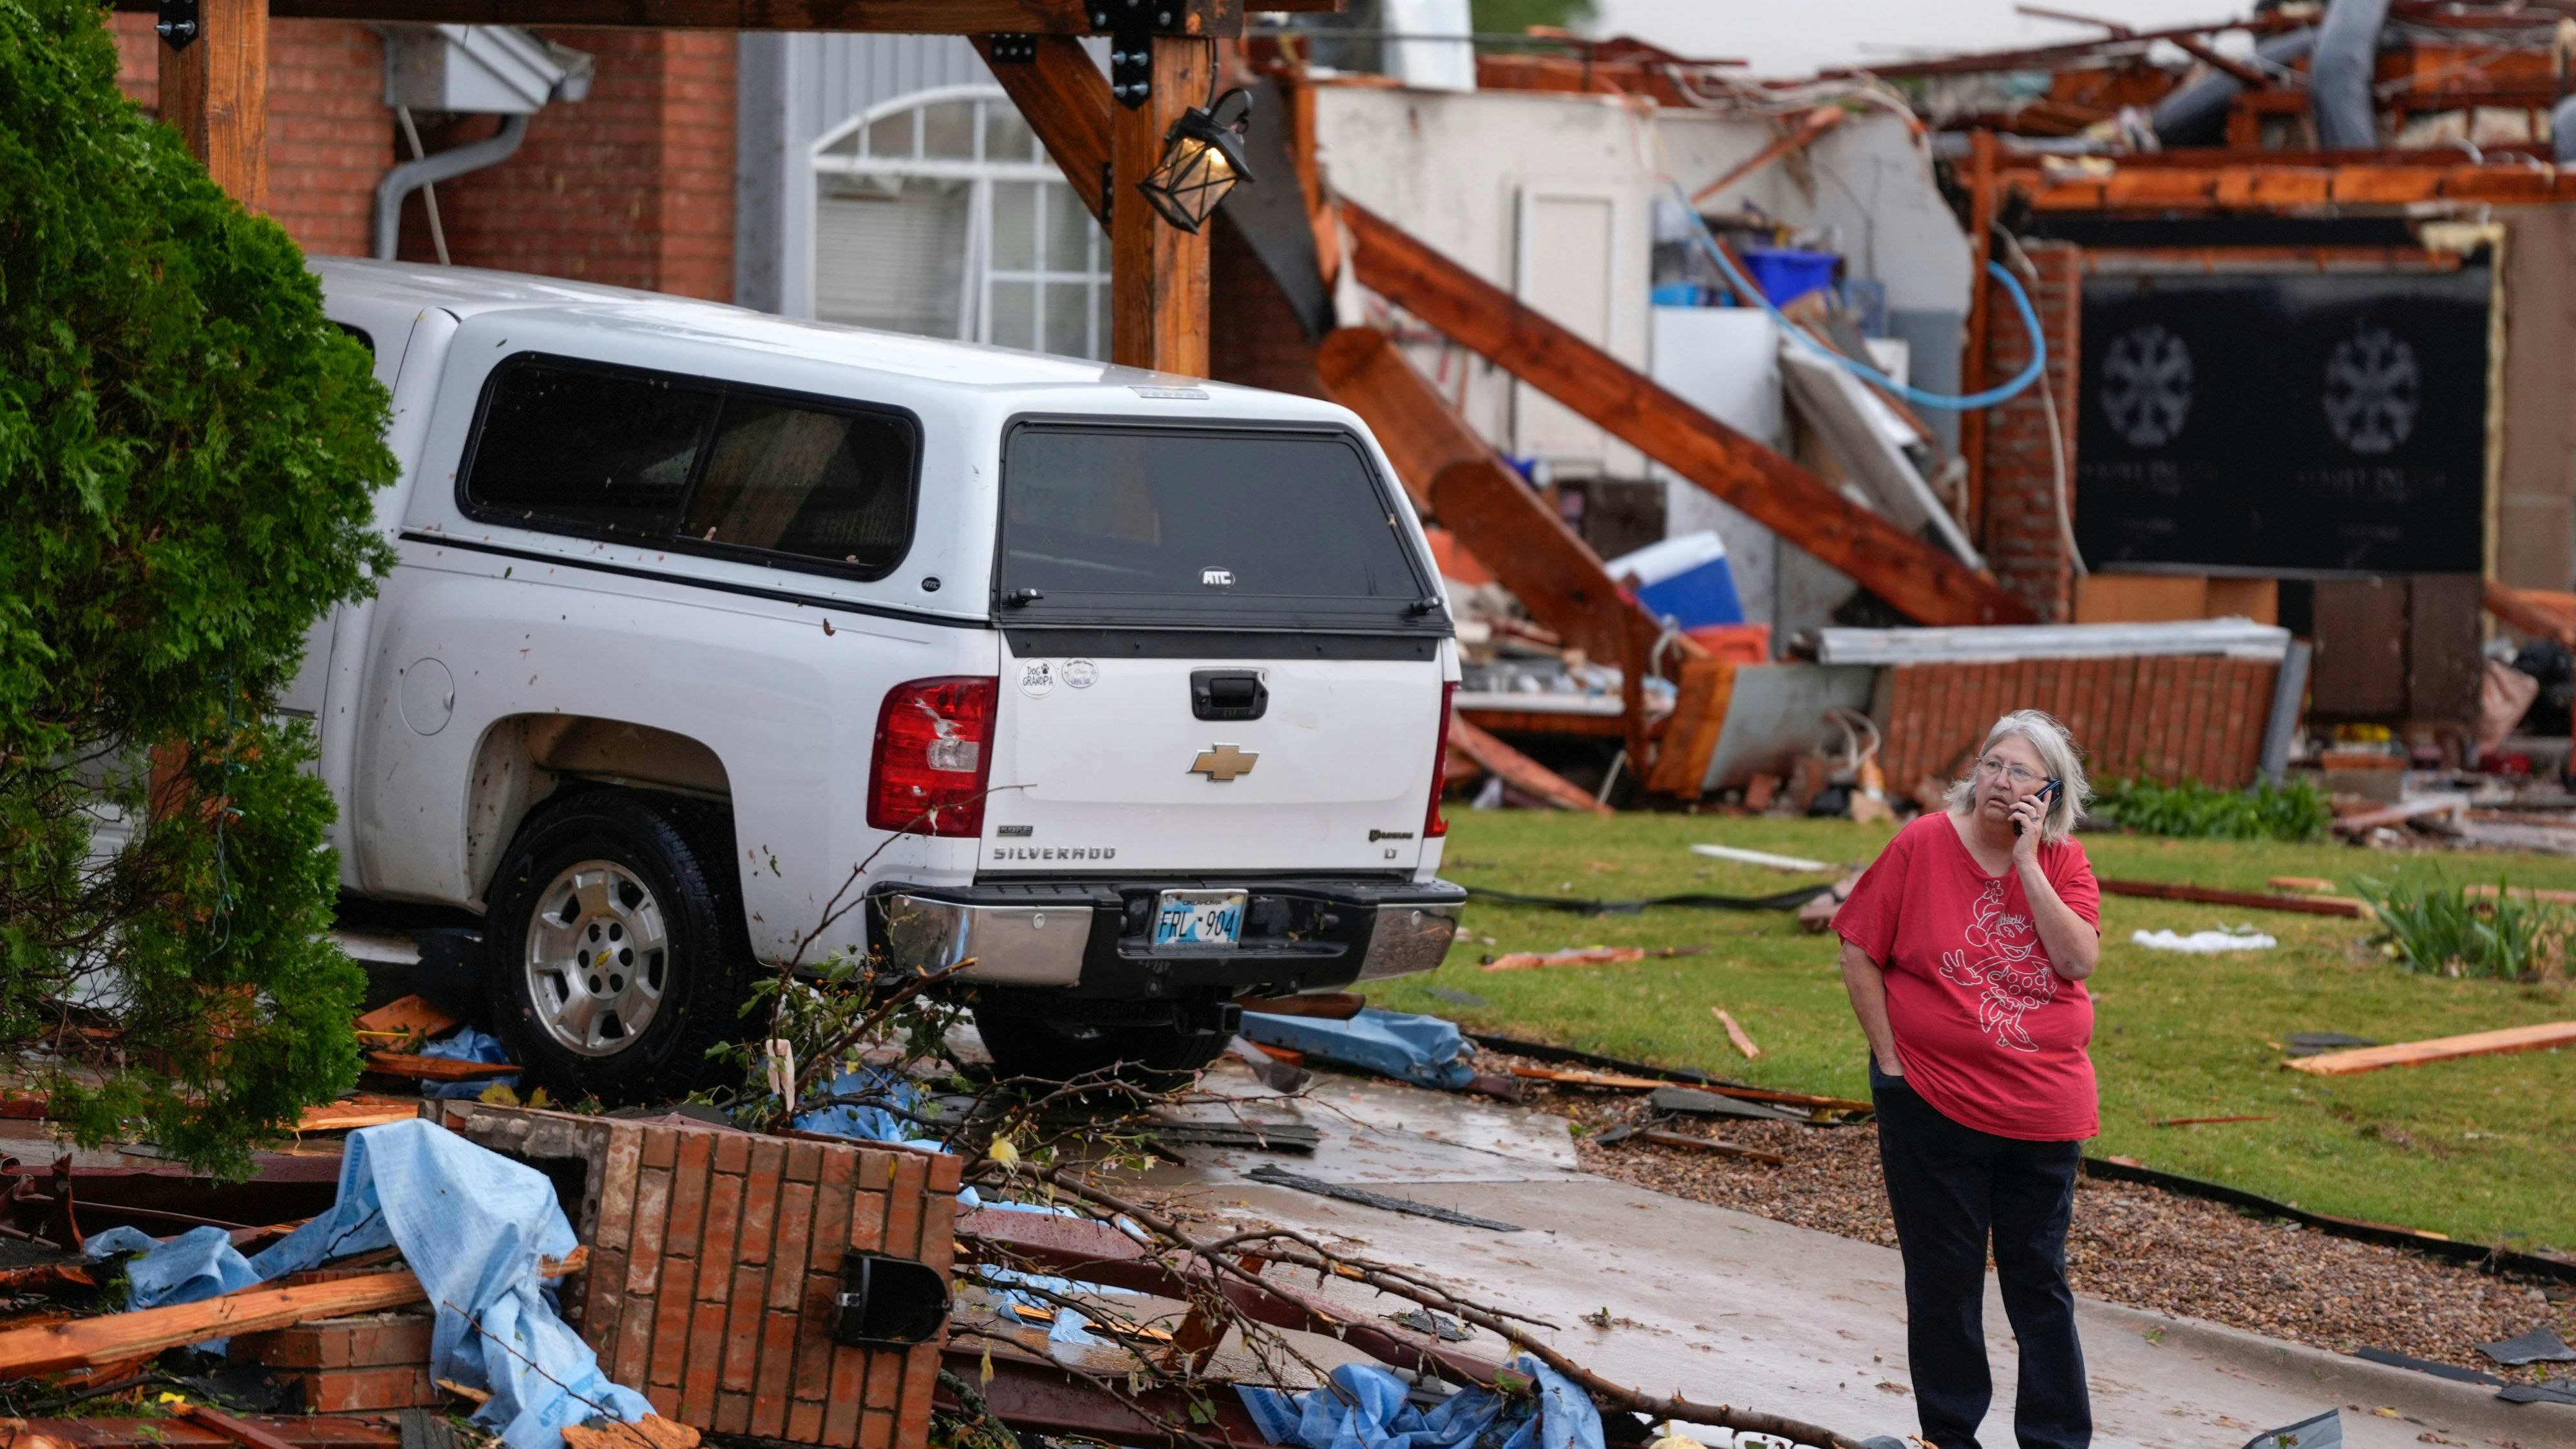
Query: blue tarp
(473, 1225)
(1423, 1050)
(469, 1044)
(1371, 1413)
(873, 1122)
(198, 1263)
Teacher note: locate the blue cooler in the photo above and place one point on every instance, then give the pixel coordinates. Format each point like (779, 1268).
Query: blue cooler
(1685, 579)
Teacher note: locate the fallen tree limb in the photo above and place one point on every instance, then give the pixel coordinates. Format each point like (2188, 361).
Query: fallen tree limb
(1282, 1246)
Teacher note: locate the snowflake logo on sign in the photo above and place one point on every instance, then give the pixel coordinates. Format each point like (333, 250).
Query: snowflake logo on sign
(2146, 386)
(2373, 390)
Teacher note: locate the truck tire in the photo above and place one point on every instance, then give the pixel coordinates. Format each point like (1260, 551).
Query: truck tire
(617, 953)
(1156, 1058)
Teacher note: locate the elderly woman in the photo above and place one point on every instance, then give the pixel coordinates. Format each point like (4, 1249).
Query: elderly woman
(1965, 949)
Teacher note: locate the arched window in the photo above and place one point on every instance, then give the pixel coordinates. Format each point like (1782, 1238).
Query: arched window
(939, 213)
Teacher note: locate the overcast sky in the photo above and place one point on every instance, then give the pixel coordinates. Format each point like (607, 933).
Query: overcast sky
(1791, 37)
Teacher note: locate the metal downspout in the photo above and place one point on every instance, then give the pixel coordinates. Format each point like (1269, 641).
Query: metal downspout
(2340, 75)
(453, 162)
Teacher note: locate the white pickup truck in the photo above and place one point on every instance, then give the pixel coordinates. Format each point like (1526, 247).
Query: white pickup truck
(1130, 690)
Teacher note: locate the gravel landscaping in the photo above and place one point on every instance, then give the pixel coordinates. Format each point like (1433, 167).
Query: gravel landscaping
(2129, 1244)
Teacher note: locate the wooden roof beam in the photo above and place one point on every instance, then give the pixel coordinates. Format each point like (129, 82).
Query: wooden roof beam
(1925, 583)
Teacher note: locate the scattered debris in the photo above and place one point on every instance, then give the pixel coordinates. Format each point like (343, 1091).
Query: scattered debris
(1573, 1078)
(2305, 884)
(1423, 1050)
(405, 1024)
(1279, 1069)
(2325, 1431)
(119, 1337)
(1277, 1177)
(353, 1112)
(2453, 1372)
(1667, 1138)
(2540, 1345)
(1736, 1034)
(1433, 1325)
(2203, 943)
(2211, 1121)
(1585, 956)
(2454, 804)
(436, 1069)
(2439, 1049)
(1696, 1102)
(2207, 896)
(2554, 1391)
(2488, 892)
(1817, 915)
(1791, 863)
(1520, 771)
(1327, 1005)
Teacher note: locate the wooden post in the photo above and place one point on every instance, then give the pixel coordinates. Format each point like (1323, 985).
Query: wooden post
(215, 92)
(1158, 286)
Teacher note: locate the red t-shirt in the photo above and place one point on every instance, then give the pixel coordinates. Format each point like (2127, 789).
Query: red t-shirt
(1990, 1035)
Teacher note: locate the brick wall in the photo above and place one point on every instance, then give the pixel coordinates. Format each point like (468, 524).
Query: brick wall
(2166, 717)
(716, 1261)
(633, 187)
(330, 135)
(2022, 540)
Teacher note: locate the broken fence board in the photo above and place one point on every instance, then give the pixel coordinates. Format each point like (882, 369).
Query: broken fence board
(2439, 1049)
(2256, 900)
(1663, 1138)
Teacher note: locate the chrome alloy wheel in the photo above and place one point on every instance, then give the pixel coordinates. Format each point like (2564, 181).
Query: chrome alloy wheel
(598, 958)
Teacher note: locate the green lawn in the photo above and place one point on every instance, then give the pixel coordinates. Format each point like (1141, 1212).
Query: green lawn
(2482, 1148)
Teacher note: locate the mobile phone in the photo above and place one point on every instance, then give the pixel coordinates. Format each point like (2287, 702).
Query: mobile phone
(2044, 793)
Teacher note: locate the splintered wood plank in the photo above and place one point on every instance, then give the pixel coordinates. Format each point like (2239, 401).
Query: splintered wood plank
(1520, 771)
(405, 1022)
(436, 1069)
(2439, 1049)
(355, 1113)
(81, 1342)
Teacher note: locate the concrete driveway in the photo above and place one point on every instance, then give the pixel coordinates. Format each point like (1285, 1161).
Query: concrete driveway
(1723, 1307)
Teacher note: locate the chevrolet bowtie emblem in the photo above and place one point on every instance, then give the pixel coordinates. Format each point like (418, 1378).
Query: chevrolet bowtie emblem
(1222, 762)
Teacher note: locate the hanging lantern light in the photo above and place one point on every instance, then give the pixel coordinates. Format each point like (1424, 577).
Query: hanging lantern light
(1202, 160)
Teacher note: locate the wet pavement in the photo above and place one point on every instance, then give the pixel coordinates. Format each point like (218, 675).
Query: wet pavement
(1725, 1307)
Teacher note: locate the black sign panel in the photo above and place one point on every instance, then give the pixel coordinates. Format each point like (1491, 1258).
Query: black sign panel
(2284, 423)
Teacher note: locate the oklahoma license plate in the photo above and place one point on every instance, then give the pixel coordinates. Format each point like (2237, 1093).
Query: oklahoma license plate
(1199, 918)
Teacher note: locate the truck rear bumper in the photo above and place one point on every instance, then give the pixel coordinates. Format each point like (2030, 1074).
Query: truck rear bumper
(1094, 938)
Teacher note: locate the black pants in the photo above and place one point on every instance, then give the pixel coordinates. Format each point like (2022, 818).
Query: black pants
(1950, 1186)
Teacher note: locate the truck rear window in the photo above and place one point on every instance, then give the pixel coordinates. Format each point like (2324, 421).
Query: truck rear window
(1166, 525)
(692, 464)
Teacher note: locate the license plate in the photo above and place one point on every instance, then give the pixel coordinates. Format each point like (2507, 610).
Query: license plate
(1200, 918)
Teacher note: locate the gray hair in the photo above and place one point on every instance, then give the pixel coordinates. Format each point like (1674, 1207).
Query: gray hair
(2056, 752)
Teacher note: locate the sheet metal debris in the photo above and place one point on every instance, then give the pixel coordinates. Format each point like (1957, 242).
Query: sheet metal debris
(1278, 1177)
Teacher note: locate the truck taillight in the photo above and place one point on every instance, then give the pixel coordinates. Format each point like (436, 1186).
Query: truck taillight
(1435, 824)
(934, 752)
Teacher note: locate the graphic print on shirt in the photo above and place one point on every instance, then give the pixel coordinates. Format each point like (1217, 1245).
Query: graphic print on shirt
(2012, 972)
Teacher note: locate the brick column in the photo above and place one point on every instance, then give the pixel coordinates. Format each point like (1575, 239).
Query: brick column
(2020, 534)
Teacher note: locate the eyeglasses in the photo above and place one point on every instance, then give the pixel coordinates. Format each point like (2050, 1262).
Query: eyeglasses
(2022, 776)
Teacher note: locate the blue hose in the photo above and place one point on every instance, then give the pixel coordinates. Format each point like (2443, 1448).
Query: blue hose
(1991, 396)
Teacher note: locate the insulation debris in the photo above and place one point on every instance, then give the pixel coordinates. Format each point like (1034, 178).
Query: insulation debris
(2203, 943)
